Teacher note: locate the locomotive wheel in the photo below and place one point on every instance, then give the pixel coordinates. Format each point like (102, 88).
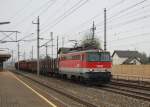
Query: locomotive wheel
(81, 79)
(64, 76)
(73, 78)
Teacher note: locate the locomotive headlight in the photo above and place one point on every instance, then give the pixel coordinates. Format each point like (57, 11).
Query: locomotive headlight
(91, 70)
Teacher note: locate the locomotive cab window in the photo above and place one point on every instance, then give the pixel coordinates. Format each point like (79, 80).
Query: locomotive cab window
(105, 56)
(98, 56)
(92, 56)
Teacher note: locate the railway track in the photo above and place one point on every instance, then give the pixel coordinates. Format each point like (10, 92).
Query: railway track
(131, 90)
(124, 88)
(132, 84)
(78, 100)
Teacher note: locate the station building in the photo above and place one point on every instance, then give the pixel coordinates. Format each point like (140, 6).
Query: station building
(4, 56)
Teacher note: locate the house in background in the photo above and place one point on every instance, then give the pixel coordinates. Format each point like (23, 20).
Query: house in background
(126, 57)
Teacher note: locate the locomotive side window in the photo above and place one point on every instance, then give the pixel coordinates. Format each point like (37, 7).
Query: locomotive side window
(74, 57)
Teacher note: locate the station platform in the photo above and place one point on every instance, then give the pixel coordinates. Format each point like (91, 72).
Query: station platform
(14, 93)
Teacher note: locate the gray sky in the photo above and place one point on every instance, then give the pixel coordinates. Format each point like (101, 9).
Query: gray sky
(127, 22)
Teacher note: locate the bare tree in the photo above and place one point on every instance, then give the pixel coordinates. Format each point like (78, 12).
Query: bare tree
(88, 42)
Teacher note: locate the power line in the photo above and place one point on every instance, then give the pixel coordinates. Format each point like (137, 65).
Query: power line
(134, 12)
(115, 5)
(98, 15)
(55, 12)
(126, 44)
(69, 12)
(128, 8)
(25, 37)
(31, 14)
(21, 10)
(47, 8)
(138, 35)
(129, 14)
(64, 13)
(121, 12)
(126, 22)
(126, 31)
(132, 20)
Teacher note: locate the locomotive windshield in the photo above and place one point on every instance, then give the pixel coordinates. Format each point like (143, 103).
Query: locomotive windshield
(98, 56)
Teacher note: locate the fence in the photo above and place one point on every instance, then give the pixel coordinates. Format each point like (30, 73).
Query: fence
(131, 72)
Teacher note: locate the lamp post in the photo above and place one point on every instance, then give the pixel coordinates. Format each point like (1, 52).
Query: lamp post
(2, 23)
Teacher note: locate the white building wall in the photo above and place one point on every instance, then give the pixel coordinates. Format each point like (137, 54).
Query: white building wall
(117, 60)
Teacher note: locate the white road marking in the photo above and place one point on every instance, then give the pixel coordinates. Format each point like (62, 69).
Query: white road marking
(41, 96)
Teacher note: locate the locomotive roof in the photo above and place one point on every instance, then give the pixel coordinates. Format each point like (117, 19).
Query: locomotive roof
(64, 50)
(94, 50)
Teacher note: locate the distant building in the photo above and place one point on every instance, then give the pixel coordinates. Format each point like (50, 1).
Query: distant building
(126, 57)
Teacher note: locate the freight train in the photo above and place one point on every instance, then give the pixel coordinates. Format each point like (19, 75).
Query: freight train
(86, 65)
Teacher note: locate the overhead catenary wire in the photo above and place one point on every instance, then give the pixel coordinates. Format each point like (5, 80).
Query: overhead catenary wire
(109, 19)
(114, 26)
(25, 37)
(131, 13)
(61, 18)
(121, 12)
(21, 10)
(47, 8)
(127, 31)
(131, 21)
(63, 14)
(126, 44)
(99, 14)
(129, 37)
(32, 14)
(55, 13)
(128, 8)
(42, 9)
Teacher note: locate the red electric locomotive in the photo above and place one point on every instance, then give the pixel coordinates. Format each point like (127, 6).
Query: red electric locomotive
(86, 65)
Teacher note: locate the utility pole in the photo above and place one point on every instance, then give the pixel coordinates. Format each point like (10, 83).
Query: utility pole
(18, 49)
(12, 56)
(63, 42)
(52, 50)
(93, 30)
(105, 48)
(18, 55)
(38, 33)
(46, 46)
(24, 55)
(52, 42)
(32, 53)
(57, 47)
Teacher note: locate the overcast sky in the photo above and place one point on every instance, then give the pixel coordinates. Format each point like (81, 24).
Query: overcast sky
(127, 22)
